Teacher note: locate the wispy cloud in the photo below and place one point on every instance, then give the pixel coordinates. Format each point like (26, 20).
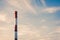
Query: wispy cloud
(30, 32)
(2, 17)
(21, 5)
(50, 9)
(43, 3)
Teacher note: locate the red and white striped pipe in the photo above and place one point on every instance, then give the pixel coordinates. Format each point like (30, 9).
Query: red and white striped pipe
(16, 38)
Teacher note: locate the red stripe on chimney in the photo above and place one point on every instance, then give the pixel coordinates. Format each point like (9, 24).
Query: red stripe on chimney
(15, 27)
(15, 14)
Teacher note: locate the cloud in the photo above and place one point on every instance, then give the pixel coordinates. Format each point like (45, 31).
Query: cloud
(52, 35)
(43, 3)
(6, 30)
(43, 20)
(6, 33)
(21, 5)
(2, 17)
(28, 32)
(50, 9)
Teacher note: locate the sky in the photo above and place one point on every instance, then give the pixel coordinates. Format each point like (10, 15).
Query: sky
(37, 19)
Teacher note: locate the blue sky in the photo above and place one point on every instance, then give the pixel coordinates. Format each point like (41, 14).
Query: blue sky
(52, 3)
(37, 19)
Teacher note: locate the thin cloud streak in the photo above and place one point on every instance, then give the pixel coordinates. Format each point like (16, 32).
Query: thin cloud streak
(43, 3)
